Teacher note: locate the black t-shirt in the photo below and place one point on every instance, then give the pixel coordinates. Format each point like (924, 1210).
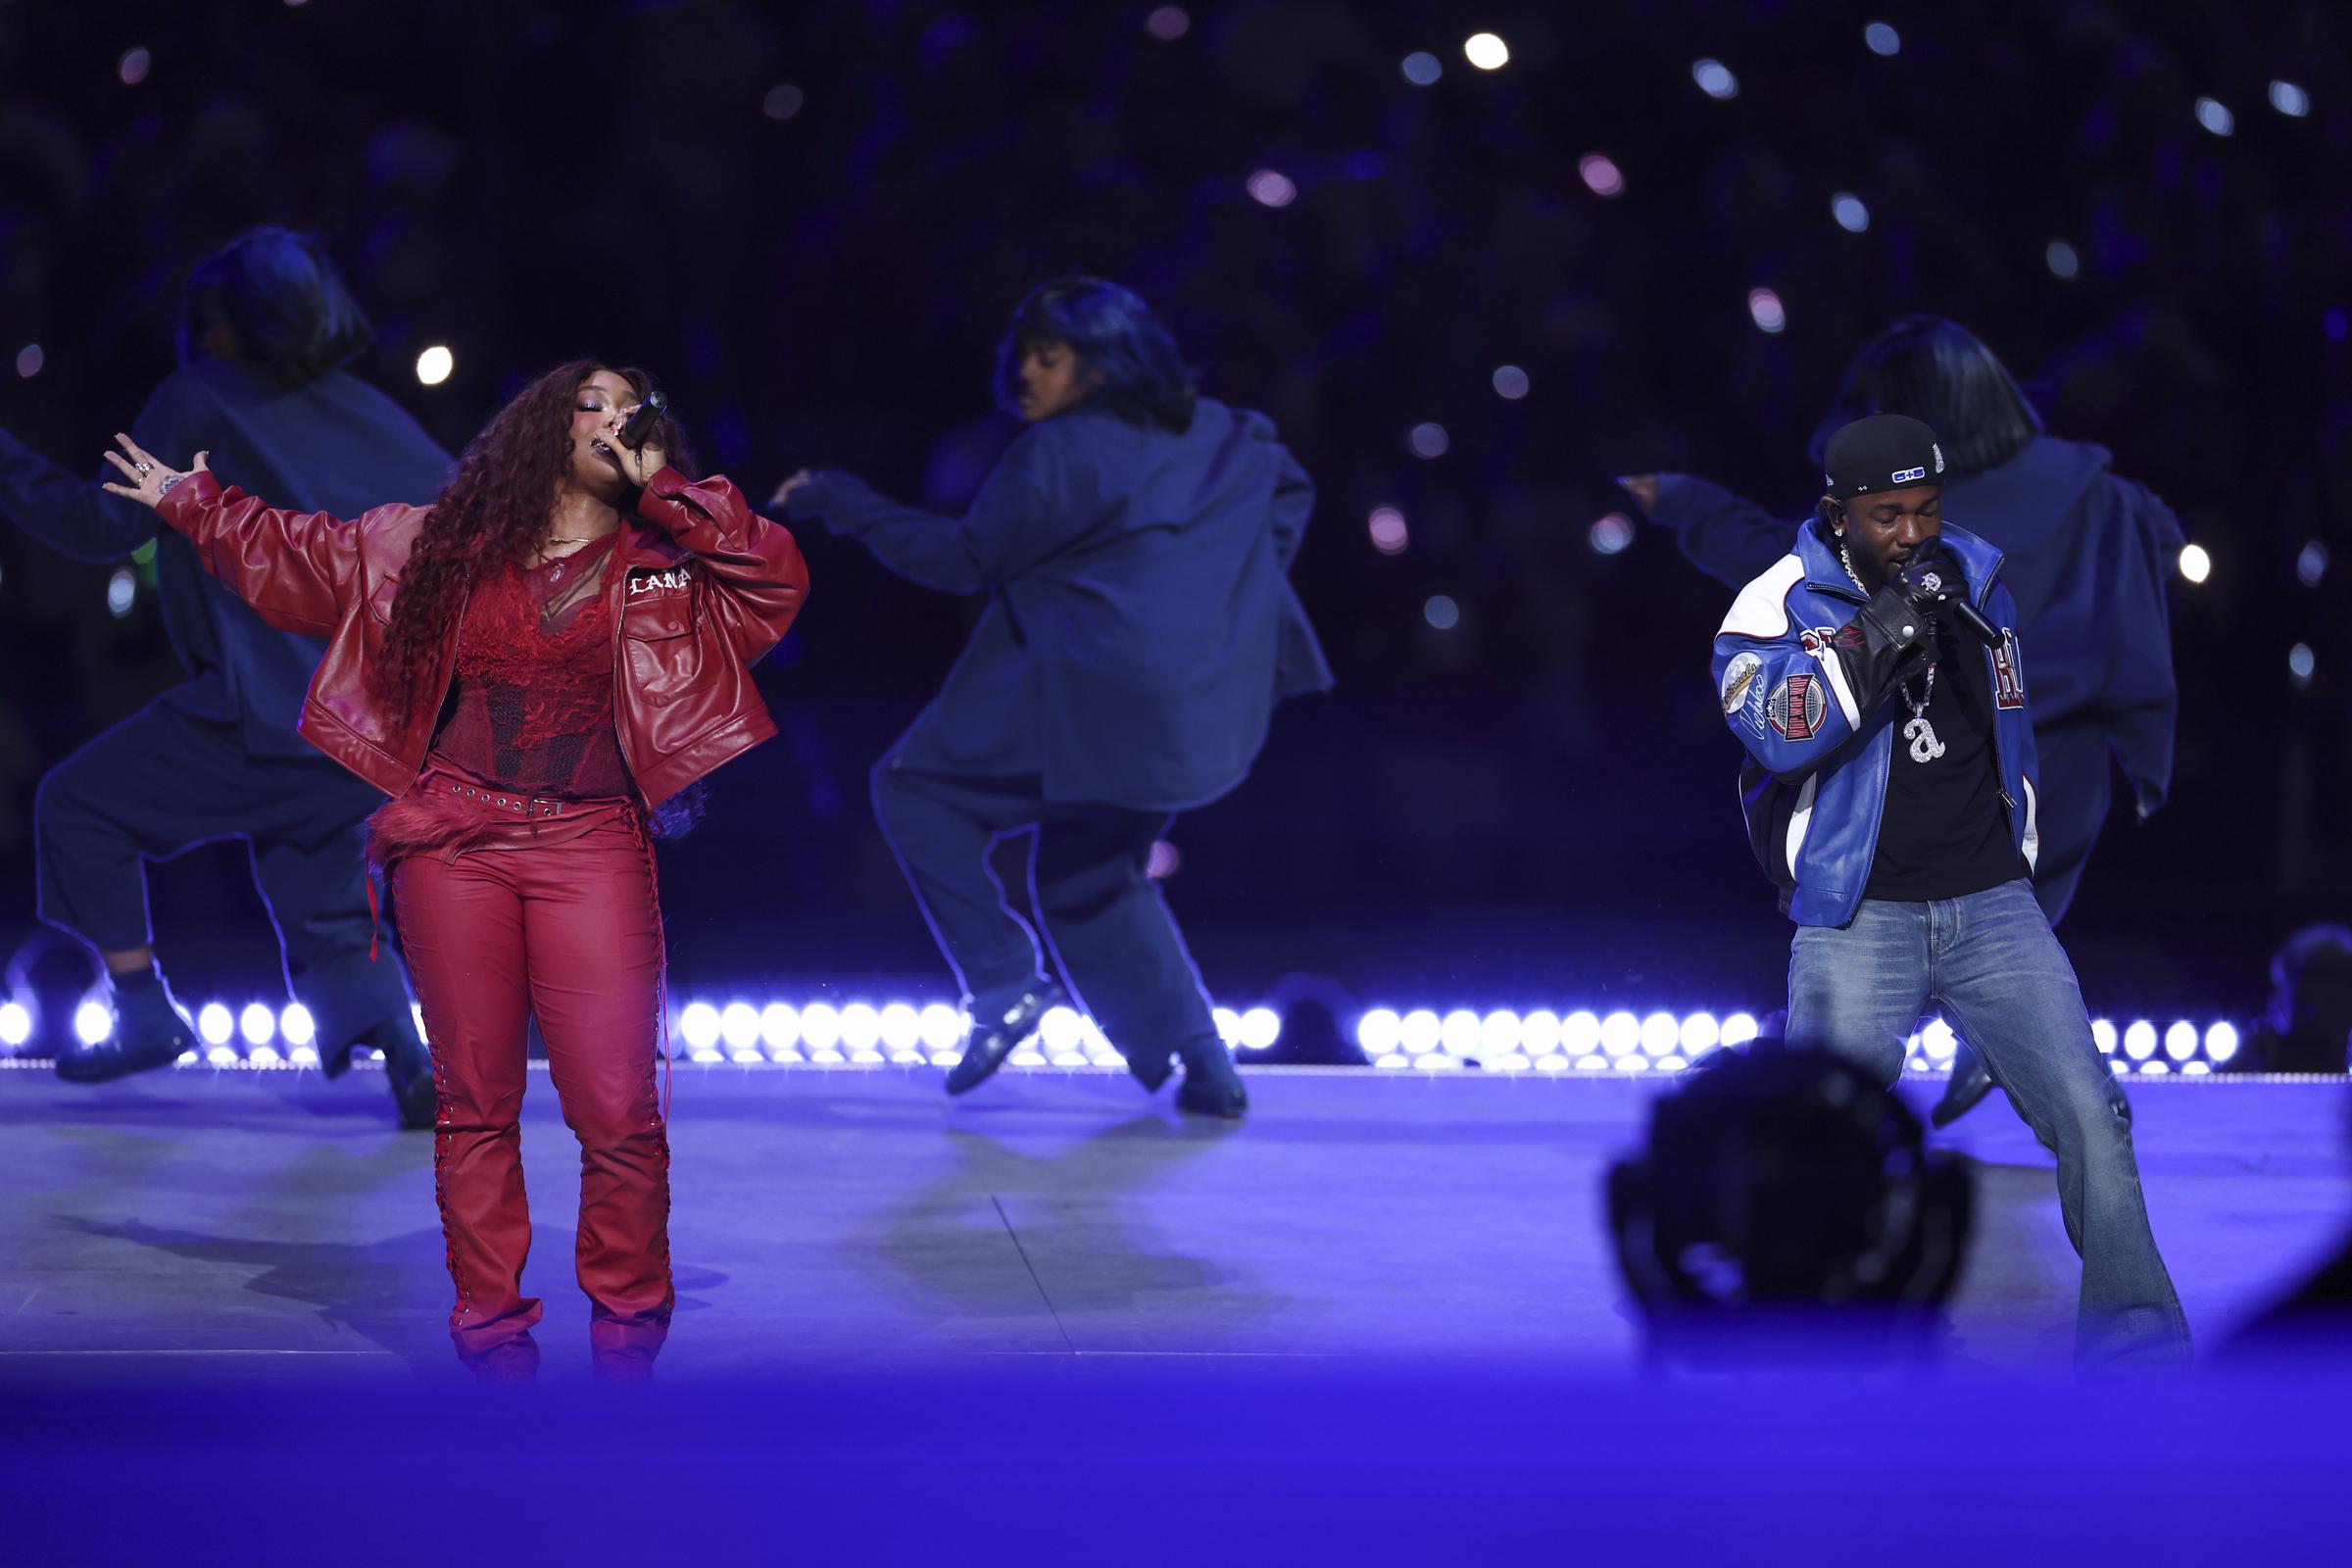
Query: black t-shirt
(1946, 831)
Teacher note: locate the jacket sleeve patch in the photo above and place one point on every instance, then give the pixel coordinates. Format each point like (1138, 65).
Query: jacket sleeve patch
(1796, 708)
(1738, 676)
(2008, 684)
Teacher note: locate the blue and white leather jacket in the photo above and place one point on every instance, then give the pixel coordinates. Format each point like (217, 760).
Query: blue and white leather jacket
(1804, 681)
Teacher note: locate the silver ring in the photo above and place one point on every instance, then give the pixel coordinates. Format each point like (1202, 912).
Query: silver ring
(144, 467)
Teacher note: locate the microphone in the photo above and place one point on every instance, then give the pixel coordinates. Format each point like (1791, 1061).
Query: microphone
(641, 425)
(1965, 612)
(1985, 630)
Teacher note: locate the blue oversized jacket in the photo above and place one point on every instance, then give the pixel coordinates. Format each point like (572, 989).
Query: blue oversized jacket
(1141, 624)
(335, 445)
(1814, 782)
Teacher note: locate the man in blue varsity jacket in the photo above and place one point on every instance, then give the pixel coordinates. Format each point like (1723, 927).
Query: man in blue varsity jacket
(1875, 677)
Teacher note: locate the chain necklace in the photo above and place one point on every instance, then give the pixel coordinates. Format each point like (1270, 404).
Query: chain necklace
(1925, 747)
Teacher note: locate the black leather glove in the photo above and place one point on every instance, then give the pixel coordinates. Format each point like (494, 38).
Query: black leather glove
(1887, 633)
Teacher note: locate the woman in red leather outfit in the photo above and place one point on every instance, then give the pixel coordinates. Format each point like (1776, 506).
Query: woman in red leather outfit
(529, 667)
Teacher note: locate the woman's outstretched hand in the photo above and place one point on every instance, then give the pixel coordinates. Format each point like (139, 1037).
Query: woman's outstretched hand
(149, 479)
(784, 491)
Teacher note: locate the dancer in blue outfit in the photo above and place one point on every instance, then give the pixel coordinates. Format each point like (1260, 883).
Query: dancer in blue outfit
(266, 326)
(1134, 544)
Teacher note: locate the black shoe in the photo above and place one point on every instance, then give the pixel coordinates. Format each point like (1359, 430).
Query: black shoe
(1970, 1084)
(994, 1038)
(1212, 1086)
(150, 1031)
(409, 1066)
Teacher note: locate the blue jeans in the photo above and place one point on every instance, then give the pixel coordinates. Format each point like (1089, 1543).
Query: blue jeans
(2003, 982)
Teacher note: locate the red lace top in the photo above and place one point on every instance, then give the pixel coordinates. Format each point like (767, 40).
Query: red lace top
(533, 693)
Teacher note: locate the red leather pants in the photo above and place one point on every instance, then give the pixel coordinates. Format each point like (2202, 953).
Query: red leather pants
(564, 926)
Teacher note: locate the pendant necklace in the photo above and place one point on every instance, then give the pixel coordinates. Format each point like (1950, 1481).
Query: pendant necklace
(1925, 747)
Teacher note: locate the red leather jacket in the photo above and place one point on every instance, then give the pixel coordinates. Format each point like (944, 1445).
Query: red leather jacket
(699, 589)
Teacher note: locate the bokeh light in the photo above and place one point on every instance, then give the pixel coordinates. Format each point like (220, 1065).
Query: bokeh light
(1764, 308)
(1440, 612)
(1390, 534)
(1714, 78)
(1611, 534)
(1270, 187)
(2062, 260)
(133, 67)
(1510, 382)
(1422, 68)
(1169, 24)
(2300, 663)
(1485, 51)
(2195, 563)
(2215, 116)
(2311, 564)
(1851, 212)
(783, 101)
(1427, 439)
(434, 365)
(1601, 175)
(2289, 100)
(1883, 38)
(30, 360)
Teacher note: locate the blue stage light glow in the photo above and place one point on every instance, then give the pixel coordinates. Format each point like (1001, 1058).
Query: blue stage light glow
(2180, 1040)
(1540, 1032)
(2220, 1042)
(2063, 261)
(1427, 439)
(295, 1025)
(780, 1026)
(821, 1025)
(2139, 1040)
(1620, 1034)
(1715, 79)
(1851, 214)
(1378, 1032)
(258, 1024)
(2289, 100)
(1387, 529)
(1261, 1028)
(215, 1024)
(1417, 1032)
(1601, 175)
(1441, 613)
(1422, 68)
(1764, 308)
(739, 1025)
(1882, 39)
(16, 1024)
(1459, 1032)
(1700, 1033)
(1738, 1029)
(2300, 663)
(30, 360)
(861, 1027)
(1510, 382)
(2102, 1035)
(1660, 1033)
(2311, 564)
(2215, 117)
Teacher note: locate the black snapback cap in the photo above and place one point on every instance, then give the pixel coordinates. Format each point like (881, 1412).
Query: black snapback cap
(1881, 452)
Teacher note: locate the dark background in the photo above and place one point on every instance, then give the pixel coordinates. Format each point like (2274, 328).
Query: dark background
(1533, 807)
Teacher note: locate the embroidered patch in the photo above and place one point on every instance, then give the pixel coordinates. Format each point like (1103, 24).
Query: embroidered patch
(1796, 708)
(1819, 640)
(2008, 685)
(651, 581)
(1907, 475)
(1738, 676)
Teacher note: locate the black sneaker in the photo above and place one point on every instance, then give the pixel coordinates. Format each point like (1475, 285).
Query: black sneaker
(408, 1067)
(1211, 1086)
(1970, 1084)
(150, 1032)
(993, 1039)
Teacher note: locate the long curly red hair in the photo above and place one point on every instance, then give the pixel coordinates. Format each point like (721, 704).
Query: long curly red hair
(493, 512)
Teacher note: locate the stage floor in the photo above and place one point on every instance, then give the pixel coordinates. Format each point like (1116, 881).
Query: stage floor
(273, 1225)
